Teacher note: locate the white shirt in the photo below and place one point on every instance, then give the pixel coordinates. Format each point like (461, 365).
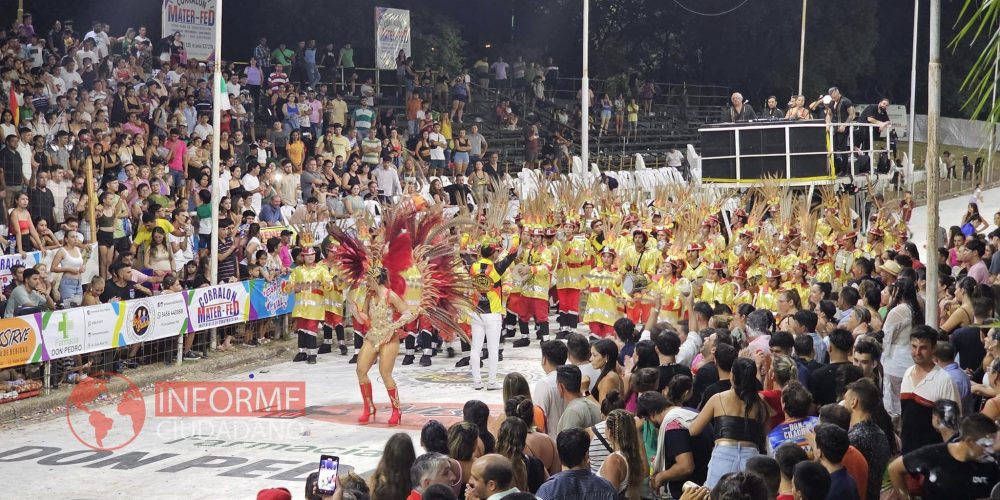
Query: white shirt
(85, 54)
(251, 184)
(72, 79)
(182, 256)
(689, 349)
(59, 191)
(546, 396)
(203, 130)
(437, 152)
(674, 159)
(24, 150)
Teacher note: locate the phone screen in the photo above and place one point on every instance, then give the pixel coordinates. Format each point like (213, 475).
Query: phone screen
(326, 483)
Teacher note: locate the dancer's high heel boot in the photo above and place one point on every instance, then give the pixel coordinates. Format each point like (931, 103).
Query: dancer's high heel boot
(394, 399)
(366, 398)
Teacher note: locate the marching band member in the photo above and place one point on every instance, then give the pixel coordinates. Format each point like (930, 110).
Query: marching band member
(694, 270)
(308, 281)
(741, 292)
(673, 288)
(413, 333)
(641, 262)
(715, 289)
(574, 264)
(536, 271)
(767, 296)
(334, 298)
(603, 291)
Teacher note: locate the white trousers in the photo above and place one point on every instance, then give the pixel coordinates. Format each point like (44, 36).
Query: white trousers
(485, 327)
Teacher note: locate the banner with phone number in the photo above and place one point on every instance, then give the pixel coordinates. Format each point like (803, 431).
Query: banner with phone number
(58, 334)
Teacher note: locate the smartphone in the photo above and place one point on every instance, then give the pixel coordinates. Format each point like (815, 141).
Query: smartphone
(326, 483)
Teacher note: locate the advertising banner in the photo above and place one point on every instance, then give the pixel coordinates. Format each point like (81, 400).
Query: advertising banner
(31, 259)
(195, 20)
(268, 298)
(219, 305)
(392, 34)
(21, 341)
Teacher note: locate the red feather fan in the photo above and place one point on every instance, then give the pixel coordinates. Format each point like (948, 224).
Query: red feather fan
(350, 255)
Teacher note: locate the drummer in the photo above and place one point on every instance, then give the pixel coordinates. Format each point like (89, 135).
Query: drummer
(639, 264)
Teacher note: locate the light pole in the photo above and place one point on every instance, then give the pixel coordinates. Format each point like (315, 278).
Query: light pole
(913, 93)
(802, 46)
(217, 98)
(585, 92)
(933, 172)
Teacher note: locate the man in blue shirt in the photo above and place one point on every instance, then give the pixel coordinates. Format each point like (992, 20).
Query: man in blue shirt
(309, 56)
(576, 481)
(944, 356)
(831, 444)
(270, 214)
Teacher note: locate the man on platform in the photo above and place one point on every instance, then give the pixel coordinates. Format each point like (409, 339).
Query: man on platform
(740, 111)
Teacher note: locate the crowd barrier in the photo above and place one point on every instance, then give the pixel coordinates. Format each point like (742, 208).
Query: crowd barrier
(52, 335)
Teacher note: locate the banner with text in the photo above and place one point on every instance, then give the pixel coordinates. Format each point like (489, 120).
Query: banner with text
(392, 34)
(57, 334)
(195, 21)
(32, 259)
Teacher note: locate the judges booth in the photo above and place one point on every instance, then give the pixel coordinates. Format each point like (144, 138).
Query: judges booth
(801, 152)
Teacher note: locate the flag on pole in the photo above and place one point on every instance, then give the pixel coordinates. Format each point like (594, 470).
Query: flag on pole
(15, 108)
(224, 95)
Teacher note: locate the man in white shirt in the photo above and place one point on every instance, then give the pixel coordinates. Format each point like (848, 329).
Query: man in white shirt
(70, 76)
(203, 129)
(388, 181)
(87, 52)
(499, 68)
(251, 184)
(546, 394)
(438, 143)
(141, 36)
(923, 384)
(24, 150)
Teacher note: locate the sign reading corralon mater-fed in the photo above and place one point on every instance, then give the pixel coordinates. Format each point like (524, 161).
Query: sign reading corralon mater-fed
(195, 20)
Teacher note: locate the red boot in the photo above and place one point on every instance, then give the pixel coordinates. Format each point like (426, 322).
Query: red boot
(366, 398)
(394, 399)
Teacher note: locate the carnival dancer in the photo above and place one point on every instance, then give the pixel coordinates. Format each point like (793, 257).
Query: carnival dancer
(487, 318)
(742, 294)
(334, 298)
(694, 270)
(716, 290)
(513, 286)
(573, 267)
(603, 292)
(380, 267)
(767, 296)
(535, 274)
(308, 282)
(673, 288)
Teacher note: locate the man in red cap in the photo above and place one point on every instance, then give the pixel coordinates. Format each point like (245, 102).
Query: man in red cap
(537, 268)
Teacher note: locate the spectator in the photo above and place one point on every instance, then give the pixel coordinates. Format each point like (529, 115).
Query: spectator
(810, 481)
(580, 411)
(428, 469)
(394, 472)
(923, 382)
(788, 456)
(492, 477)
(528, 472)
(796, 402)
(576, 481)
(831, 445)
(26, 297)
(946, 469)
(547, 394)
(862, 399)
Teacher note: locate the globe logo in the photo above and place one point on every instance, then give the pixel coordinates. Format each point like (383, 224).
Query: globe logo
(115, 425)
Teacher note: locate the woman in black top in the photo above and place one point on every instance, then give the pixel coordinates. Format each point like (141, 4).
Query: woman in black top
(478, 413)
